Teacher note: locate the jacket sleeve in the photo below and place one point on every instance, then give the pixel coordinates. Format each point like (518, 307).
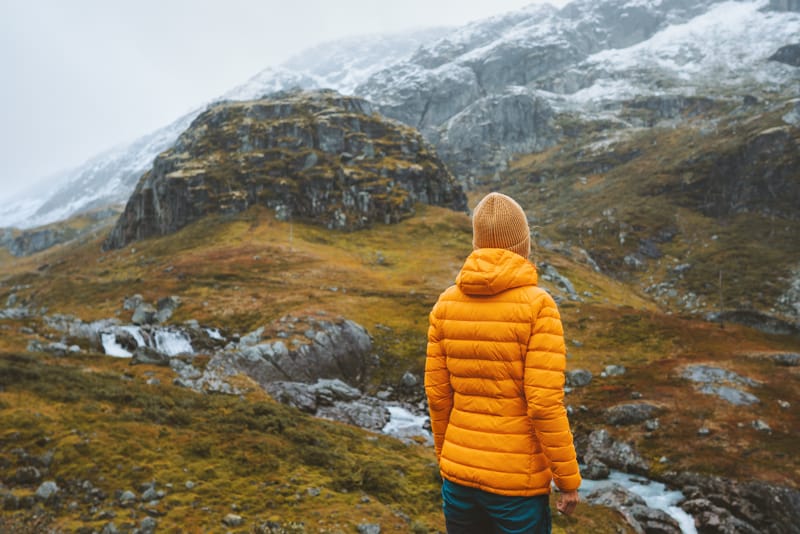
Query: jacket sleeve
(544, 390)
(437, 384)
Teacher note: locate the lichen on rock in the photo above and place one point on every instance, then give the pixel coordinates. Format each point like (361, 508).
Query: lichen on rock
(319, 157)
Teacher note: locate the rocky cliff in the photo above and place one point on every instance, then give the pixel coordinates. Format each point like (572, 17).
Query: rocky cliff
(319, 157)
(496, 87)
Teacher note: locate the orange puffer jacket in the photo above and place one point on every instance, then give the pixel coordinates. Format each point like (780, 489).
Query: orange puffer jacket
(494, 377)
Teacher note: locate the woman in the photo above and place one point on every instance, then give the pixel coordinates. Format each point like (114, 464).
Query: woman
(494, 377)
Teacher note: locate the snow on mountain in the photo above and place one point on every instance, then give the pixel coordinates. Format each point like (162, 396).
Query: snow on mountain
(110, 177)
(588, 58)
(726, 48)
(494, 77)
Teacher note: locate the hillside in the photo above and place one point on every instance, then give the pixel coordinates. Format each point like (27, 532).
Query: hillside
(238, 273)
(244, 349)
(702, 214)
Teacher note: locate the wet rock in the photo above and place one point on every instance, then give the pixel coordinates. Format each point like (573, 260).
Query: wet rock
(131, 303)
(166, 307)
(721, 505)
(630, 414)
(789, 54)
(149, 356)
(578, 377)
(634, 509)
(144, 314)
(596, 470)
(614, 370)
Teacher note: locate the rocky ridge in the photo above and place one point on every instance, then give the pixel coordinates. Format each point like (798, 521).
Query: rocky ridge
(319, 157)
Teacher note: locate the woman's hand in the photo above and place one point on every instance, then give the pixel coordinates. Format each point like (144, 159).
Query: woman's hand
(567, 501)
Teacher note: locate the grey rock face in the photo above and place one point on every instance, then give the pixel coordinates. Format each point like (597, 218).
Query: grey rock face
(484, 135)
(475, 91)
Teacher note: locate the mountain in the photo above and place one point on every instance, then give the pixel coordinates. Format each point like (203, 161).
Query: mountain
(500, 86)
(110, 177)
(497, 87)
(314, 156)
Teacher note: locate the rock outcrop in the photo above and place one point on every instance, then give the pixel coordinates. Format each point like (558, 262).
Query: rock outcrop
(319, 157)
(721, 505)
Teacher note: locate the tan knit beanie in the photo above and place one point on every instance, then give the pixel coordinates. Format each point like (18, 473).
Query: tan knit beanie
(499, 222)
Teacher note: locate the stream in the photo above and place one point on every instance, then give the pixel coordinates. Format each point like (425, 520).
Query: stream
(655, 494)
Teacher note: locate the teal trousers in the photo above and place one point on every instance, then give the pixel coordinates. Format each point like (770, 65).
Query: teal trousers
(473, 511)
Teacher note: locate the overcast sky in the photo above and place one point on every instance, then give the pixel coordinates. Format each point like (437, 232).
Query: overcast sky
(83, 76)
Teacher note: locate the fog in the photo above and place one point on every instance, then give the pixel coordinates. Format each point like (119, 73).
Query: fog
(83, 76)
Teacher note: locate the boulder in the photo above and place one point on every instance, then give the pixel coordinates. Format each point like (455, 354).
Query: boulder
(720, 505)
(328, 349)
(642, 518)
(578, 377)
(630, 413)
(596, 470)
(47, 490)
(165, 308)
(371, 415)
(600, 446)
(144, 314)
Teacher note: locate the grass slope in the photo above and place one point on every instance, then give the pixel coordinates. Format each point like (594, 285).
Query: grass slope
(106, 422)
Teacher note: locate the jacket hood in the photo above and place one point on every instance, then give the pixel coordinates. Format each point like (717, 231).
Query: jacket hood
(489, 271)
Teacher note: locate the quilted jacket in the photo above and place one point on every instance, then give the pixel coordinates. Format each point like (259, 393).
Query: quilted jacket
(494, 377)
